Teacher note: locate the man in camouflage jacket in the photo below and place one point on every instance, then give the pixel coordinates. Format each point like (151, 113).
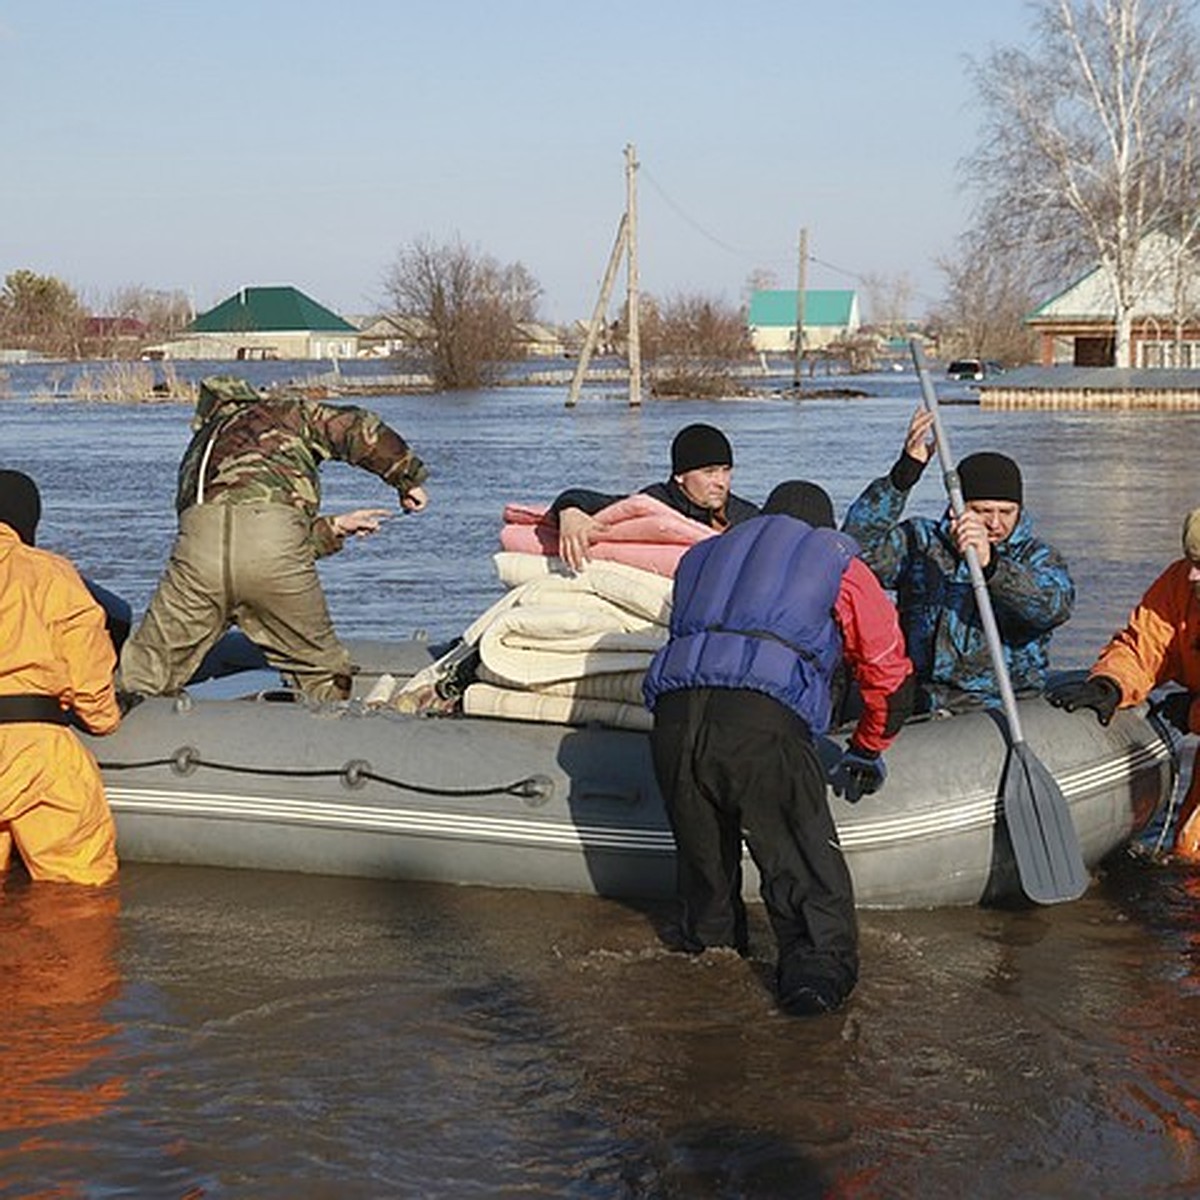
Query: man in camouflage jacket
(250, 533)
(922, 561)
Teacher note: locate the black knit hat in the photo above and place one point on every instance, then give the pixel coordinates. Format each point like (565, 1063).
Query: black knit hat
(698, 446)
(20, 504)
(988, 476)
(803, 500)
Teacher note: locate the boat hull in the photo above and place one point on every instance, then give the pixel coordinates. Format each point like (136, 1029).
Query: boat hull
(256, 783)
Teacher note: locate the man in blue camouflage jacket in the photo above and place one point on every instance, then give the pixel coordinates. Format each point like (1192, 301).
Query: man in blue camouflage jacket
(922, 561)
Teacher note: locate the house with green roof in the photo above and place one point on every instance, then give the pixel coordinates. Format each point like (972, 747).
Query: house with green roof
(266, 323)
(829, 316)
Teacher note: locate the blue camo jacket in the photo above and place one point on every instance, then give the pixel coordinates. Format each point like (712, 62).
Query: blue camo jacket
(1028, 581)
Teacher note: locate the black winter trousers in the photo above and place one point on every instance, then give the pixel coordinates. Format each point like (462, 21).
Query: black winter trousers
(733, 763)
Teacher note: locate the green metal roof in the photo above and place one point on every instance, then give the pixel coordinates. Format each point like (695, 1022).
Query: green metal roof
(821, 307)
(269, 310)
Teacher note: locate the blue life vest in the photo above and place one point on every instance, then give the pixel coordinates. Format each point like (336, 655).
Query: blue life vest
(753, 608)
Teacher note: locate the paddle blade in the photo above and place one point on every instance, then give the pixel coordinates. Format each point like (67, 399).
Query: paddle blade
(1044, 841)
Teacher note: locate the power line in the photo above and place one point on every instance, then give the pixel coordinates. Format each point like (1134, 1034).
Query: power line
(755, 259)
(679, 212)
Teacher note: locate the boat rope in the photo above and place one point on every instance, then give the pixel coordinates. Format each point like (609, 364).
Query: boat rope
(1173, 742)
(536, 789)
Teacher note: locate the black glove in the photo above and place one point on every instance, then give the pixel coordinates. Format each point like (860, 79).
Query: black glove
(1100, 694)
(859, 773)
(1176, 708)
(128, 700)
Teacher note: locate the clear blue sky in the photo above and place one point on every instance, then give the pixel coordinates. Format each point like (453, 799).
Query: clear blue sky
(204, 146)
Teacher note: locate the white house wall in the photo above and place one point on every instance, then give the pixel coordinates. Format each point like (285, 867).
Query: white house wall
(282, 345)
(780, 339)
(1092, 296)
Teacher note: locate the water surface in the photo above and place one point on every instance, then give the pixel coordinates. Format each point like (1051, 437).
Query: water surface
(212, 1033)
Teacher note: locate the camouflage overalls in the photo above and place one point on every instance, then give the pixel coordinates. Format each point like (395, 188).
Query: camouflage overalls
(249, 537)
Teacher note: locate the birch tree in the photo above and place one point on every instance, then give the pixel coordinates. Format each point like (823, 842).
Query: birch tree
(1088, 142)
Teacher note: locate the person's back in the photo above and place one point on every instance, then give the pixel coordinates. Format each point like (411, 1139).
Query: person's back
(922, 560)
(755, 610)
(56, 665)
(253, 448)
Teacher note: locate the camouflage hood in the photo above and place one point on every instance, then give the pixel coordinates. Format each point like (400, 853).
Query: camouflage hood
(219, 392)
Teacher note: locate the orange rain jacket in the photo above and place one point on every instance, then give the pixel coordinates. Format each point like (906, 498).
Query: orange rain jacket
(1161, 644)
(53, 643)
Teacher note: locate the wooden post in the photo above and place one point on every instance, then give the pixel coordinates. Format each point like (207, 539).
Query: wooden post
(801, 287)
(634, 337)
(599, 313)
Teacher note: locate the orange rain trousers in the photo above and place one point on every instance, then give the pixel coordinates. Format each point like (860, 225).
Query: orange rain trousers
(53, 642)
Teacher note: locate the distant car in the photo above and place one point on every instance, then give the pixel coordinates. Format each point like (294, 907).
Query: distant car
(973, 368)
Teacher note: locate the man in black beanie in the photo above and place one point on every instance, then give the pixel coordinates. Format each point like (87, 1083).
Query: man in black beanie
(698, 487)
(923, 561)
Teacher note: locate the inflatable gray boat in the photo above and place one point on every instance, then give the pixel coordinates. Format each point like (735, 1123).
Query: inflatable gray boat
(255, 781)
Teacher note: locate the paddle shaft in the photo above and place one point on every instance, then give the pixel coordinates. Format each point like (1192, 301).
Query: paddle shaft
(983, 599)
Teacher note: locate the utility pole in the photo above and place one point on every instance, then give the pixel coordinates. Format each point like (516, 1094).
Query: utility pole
(600, 311)
(631, 303)
(801, 287)
(625, 246)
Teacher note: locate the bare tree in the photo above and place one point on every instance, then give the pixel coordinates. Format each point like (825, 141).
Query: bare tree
(989, 292)
(692, 343)
(164, 313)
(1080, 155)
(889, 299)
(761, 279)
(463, 310)
(132, 317)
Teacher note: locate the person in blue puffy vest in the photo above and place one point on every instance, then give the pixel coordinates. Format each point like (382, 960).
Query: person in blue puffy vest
(762, 619)
(922, 560)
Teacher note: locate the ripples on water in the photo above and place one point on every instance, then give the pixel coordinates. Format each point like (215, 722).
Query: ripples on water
(209, 1033)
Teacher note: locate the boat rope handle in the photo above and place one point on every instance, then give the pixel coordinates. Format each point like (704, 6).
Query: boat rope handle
(1173, 740)
(536, 789)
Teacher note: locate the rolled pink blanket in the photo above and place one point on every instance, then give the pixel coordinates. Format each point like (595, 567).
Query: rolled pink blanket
(642, 532)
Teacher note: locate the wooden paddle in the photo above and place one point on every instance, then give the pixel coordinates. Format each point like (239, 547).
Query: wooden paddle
(1044, 841)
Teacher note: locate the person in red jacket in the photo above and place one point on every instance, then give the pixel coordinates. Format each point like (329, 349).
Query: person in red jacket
(762, 619)
(56, 668)
(1159, 645)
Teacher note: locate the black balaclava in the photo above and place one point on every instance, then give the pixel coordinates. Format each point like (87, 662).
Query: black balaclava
(20, 504)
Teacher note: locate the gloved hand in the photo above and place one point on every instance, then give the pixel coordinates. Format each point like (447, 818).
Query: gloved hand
(1175, 709)
(1100, 694)
(859, 773)
(128, 700)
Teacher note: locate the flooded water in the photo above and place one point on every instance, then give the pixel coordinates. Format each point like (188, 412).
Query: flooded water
(203, 1033)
